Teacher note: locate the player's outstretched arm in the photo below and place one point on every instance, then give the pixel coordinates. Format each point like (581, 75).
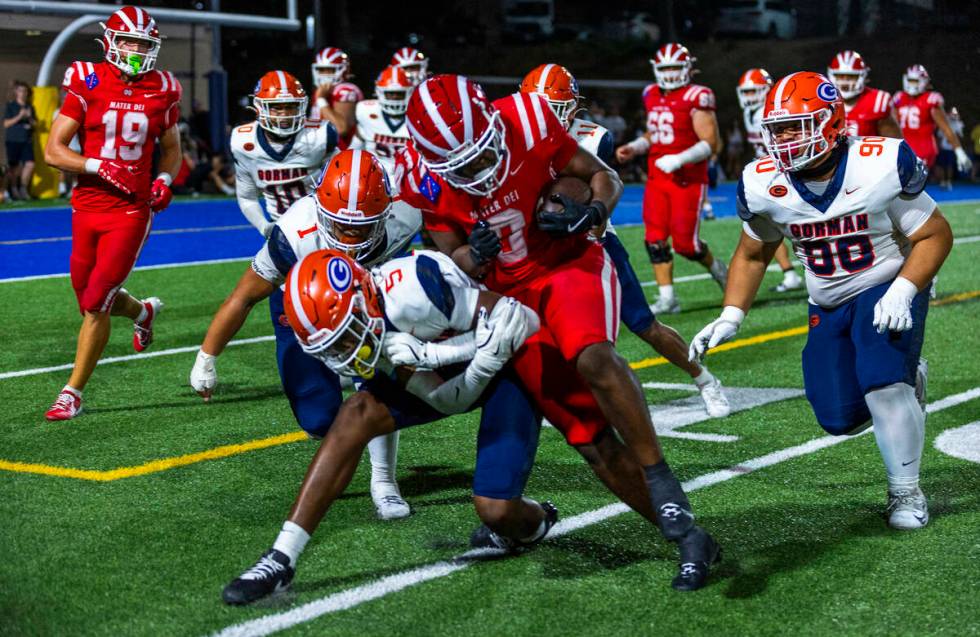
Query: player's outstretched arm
(963, 161)
(57, 152)
(231, 316)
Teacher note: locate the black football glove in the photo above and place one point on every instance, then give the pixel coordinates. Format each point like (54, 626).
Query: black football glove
(576, 218)
(484, 243)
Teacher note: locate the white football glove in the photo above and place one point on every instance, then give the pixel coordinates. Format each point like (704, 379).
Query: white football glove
(963, 162)
(668, 163)
(893, 311)
(716, 332)
(203, 375)
(404, 349)
(500, 334)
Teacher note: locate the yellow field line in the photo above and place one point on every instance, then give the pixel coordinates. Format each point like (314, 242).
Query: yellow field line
(164, 464)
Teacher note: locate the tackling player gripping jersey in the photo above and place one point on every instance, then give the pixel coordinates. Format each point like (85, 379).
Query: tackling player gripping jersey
(670, 128)
(918, 126)
(282, 172)
(849, 238)
(864, 114)
(384, 136)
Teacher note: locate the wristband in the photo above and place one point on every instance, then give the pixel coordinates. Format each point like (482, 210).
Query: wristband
(732, 314)
(640, 145)
(166, 178)
(92, 165)
(321, 102)
(904, 286)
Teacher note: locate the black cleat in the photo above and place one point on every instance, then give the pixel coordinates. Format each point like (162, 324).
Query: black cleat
(483, 538)
(698, 552)
(270, 575)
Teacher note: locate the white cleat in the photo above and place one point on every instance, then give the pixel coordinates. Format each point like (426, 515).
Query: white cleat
(791, 281)
(715, 401)
(907, 509)
(664, 305)
(388, 501)
(719, 272)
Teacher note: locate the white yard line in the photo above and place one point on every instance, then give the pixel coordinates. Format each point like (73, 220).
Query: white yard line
(129, 357)
(243, 226)
(393, 583)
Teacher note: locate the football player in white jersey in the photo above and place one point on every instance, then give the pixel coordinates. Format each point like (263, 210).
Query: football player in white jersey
(558, 87)
(871, 240)
(371, 324)
(372, 233)
(752, 88)
(381, 122)
(278, 155)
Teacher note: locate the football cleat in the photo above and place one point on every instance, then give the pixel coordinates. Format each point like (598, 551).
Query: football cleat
(388, 501)
(698, 552)
(714, 399)
(907, 509)
(665, 305)
(791, 281)
(921, 382)
(719, 272)
(143, 330)
(483, 538)
(67, 406)
(270, 575)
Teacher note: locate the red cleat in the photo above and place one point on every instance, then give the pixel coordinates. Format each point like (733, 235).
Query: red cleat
(68, 405)
(143, 330)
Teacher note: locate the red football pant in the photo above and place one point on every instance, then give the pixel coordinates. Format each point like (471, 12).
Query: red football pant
(578, 304)
(673, 211)
(104, 248)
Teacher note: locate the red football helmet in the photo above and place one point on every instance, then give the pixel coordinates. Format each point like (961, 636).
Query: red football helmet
(353, 200)
(330, 66)
(280, 103)
(802, 120)
(392, 88)
(458, 133)
(136, 31)
(334, 308)
(915, 80)
(673, 66)
(752, 88)
(558, 87)
(848, 72)
(413, 62)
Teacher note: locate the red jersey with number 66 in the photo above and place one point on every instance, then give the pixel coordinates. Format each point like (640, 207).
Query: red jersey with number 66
(670, 128)
(539, 148)
(119, 121)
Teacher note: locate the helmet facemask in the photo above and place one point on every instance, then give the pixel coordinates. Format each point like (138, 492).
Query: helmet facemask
(329, 74)
(477, 167)
(564, 110)
(752, 96)
(914, 85)
(278, 123)
(416, 71)
(344, 231)
(353, 349)
(850, 84)
(802, 149)
(130, 61)
(394, 100)
(672, 75)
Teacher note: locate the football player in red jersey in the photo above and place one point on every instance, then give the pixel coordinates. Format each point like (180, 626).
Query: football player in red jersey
(413, 62)
(868, 110)
(682, 133)
(336, 98)
(920, 112)
(476, 170)
(119, 108)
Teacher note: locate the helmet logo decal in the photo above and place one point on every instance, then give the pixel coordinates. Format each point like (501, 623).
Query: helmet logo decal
(339, 274)
(827, 92)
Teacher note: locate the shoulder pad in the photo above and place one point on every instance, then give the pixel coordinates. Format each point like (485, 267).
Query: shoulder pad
(912, 171)
(434, 284)
(280, 250)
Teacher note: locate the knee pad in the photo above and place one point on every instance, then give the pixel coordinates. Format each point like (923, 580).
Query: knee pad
(659, 252)
(698, 254)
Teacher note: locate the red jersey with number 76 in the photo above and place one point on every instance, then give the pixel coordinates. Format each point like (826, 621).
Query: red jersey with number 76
(670, 128)
(119, 121)
(539, 148)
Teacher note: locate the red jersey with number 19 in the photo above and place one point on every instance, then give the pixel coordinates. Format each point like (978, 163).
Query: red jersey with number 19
(119, 121)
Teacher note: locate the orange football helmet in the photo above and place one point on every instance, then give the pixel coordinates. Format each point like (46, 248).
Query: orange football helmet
(848, 72)
(802, 120)
(330, 66)
(752, 88)
(353, 200)
(413, 62)
(558, 87)
(392, 89)
(135, 25)
(280, 103)
(334, 308)
(673, 66)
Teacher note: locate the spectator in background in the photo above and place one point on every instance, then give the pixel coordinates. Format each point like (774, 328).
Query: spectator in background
(19, 120)
(946, 160)
(734, 151)
(222, 175)
(615, 124)
(975, 147)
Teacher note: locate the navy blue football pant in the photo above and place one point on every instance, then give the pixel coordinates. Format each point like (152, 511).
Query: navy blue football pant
(845, 358)
(312, 388)
(506, 442)
(633, 307)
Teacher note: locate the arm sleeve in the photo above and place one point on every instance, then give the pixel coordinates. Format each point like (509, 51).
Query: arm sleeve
(606, 148)
(908, 215)
(248, 197)
(912, 171)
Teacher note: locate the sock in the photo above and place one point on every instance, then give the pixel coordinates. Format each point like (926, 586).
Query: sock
(704, 377)
(291, 541)
(670, 503)
(899, 427)
(143, 313)
(384, 457)
(666, 291)
(70, 389)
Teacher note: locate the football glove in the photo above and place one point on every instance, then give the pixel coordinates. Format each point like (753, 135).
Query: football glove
(160, 195)
(575, 218)
(120, 176)
(203, 375)
(893, 311)
(404, 349)
(716, 332)
(484, 243)
(499, 334)
(668, 163)
(963, 162)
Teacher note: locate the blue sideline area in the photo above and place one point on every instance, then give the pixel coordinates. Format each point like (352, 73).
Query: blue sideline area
(203, 233)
